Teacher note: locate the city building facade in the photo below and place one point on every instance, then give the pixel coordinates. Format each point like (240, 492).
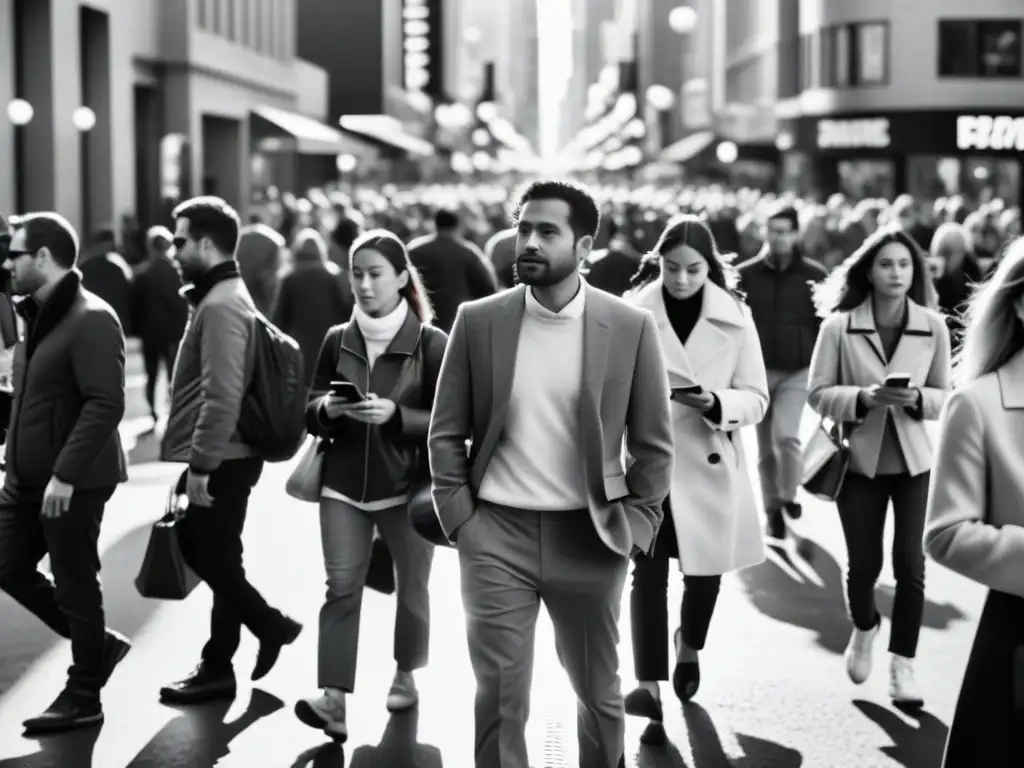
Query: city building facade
(180, 97)
(880, 97)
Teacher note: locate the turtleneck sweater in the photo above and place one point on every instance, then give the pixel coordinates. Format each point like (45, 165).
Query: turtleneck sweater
(537, 464)
(683, 314)
(378, 332)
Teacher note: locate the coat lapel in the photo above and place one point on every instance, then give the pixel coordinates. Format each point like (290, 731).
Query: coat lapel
(596, 338)
(916, 340)
(1011, 383)
(862, 324)
(677, 360)
(505, 327)
(711, 336)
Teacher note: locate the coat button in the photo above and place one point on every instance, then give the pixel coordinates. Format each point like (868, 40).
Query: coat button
(714, 458)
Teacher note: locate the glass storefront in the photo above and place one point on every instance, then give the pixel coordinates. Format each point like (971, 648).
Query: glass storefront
(859, 179)
(973, 178)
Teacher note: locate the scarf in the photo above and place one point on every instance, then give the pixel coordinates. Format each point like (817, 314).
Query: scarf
(379, 331)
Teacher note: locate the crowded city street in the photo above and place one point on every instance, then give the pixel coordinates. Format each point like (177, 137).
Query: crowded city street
(775, 694)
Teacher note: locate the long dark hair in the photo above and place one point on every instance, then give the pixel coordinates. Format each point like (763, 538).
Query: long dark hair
(393, 249)
(690, 230)
(848, 285)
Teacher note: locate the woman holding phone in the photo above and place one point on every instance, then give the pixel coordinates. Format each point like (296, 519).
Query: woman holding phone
(372, 392)
(976, 516)
(718, 381)
(881, 366)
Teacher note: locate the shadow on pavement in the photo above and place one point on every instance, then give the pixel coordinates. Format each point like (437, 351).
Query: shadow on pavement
(69, 750)
(706, 746)
(329, 755)
(775, 592)
(200, 738)
(398, 747)
(918, 745)
(25, 639)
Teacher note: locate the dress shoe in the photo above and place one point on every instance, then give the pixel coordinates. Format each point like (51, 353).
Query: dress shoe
(642, 703)
(68, 712)
(200, 686)
(270, 649)
(116, 649)
(686, 675)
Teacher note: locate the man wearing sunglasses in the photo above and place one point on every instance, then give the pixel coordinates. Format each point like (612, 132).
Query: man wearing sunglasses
(64, 459)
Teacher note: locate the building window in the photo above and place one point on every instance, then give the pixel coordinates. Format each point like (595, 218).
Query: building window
(806, 62)
(231, 32)
(203, 8)
(980, 48)
(855, 55)
(245, 13)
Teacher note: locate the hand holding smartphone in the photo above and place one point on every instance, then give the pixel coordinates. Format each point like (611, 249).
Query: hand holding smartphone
(693, 389)
(347, 392)
(897, 380)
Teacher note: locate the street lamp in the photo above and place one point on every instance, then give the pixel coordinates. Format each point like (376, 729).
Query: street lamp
(20, 112)
(84, 119)
(727, 152)
(682, 20)
(487, 111)
(661, 97)
(346, 163)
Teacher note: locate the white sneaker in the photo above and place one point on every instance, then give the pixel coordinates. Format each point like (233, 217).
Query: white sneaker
(858, 654)
(903, 688)
(403, 694)
(325, 712)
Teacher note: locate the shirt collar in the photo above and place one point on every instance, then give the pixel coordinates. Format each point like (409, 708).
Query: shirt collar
(571, 311)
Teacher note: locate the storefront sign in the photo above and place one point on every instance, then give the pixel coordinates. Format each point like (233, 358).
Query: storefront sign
(868, 133)
(985, 132)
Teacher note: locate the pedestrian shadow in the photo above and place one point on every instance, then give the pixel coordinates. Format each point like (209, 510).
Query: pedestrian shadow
(25, 639)
(398, 747)
(200, 737)
(784, 588)
(329, 755)
(913, 746)
(69, 750)
(936, 615)
(706, 746)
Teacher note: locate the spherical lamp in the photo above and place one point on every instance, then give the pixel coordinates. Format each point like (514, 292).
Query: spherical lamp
(660, 97)
(84, 119)
(346, 163)
(20, 112)
(682, 20)
(727, 152)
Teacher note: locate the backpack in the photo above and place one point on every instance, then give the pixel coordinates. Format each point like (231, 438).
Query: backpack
(273, 416)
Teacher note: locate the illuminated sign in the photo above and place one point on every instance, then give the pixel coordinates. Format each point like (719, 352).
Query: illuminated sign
(869, 133)
(421, 47)
(987, 132)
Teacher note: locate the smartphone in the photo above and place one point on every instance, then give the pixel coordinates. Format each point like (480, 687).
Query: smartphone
(693, 389)
(898, 380)
(347, 391)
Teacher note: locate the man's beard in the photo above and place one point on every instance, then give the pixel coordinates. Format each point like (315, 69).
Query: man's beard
(549, 275)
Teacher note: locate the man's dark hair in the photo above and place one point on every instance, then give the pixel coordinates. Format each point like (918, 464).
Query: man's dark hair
(346, 231)
(446, 220)
(584, 212)
(211, 217)
(51, 231)
(785, 212)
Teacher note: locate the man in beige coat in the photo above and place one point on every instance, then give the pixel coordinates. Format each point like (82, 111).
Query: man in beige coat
(545, 381)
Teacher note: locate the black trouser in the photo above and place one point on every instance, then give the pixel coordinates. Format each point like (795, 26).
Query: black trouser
(71, 601)
(648, 608)
(211, 543)
(863, 505)
(152, 357)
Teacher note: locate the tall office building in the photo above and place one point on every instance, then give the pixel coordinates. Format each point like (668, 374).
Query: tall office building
(589, 20)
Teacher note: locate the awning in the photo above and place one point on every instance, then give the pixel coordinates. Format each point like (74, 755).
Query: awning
(311, 136)
(386, 130)
(687, 148)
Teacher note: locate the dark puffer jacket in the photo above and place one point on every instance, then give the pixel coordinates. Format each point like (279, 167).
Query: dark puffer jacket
(369, 462)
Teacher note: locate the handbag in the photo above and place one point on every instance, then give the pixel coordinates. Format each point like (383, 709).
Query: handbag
(380, 571)
(306, 479)
(826, 457)
(164, 574)
(420, 505)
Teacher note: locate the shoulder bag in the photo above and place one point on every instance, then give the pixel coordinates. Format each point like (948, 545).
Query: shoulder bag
(826, 457)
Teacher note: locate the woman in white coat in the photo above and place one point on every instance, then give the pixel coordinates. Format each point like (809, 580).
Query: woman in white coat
(711, 522)
(975, 523)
